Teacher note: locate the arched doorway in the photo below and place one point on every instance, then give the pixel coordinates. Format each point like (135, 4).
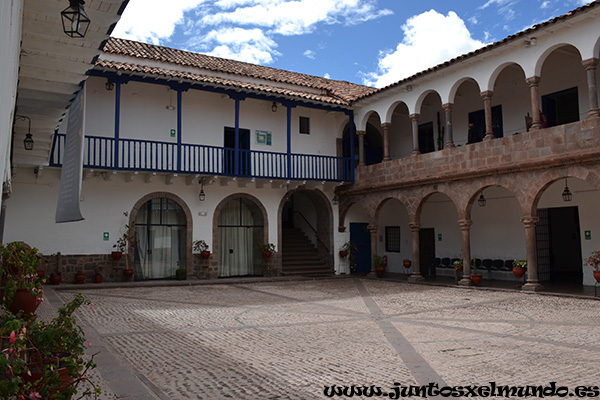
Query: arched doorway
(306, 233)
(161, 231)
(241, 227)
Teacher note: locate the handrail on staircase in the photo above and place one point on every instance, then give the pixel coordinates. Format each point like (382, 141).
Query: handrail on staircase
(313, 229)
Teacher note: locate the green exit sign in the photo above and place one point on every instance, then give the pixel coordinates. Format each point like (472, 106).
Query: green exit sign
(588, 235)
(172, 132)
(105, 236)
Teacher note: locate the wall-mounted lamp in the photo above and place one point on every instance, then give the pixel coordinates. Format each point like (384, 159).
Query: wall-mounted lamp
(481, 201)
(28, 141)
(74, 19)
(202, 195)
(274, 107)
(336, 200)
(109, 85)
(566, 194)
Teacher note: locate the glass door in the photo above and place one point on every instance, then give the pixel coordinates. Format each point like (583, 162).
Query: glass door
(160, 229)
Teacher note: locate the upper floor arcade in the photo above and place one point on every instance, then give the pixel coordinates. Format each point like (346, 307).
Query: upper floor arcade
(540, 78)
(194, 114)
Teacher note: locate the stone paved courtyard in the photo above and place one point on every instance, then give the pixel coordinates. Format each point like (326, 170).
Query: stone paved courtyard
(288, 340)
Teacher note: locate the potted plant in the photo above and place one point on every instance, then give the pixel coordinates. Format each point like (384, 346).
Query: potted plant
(79, 277)
(347, 248)
(55, 278)
(475, 277)
(407, 263)
(594, 261)
(379, 262)
(202, 247)
(458, 267)
(267, 250)
(128, 240)
(519, 268)
(181, 274)
(44, 360)
(98, 275)
(23, 289)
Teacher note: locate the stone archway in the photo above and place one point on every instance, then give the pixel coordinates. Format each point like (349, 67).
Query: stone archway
(255, 210)
(188, 219)
(309, 211)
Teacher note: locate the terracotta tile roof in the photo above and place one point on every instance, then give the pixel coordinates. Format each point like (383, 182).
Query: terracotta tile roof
(489, 47)
(331, 91)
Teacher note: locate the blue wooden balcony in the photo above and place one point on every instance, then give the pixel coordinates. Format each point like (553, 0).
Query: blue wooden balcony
(145, 155)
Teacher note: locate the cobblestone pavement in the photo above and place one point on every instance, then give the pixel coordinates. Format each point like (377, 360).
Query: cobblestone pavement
(288, 340)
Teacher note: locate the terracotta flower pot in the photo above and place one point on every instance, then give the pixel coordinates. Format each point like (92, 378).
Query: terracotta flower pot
(476, 278)
(41, 273)
(55, 279)
(519, 272)
(205, 254)
(406, 264)
(343, 253)
(25, 301)
(267, 254)
(116, 255)
(128, 272)
(63, 376)
(597, 275)
(98, 278)
(380, 271)
(79, 278)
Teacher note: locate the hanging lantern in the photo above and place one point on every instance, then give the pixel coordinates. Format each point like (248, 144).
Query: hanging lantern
(566, 194)
(74, 19)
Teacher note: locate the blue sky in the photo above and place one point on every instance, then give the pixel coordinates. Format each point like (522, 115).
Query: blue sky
(371, 42)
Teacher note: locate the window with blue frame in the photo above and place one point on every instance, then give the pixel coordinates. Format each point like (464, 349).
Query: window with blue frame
(392, 239)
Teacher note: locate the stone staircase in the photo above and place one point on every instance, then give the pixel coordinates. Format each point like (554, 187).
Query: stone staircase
(299, 255)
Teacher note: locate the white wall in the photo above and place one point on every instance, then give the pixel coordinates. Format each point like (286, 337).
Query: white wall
(439, 213)
(393, 213)
(144, 115)
(10, 32)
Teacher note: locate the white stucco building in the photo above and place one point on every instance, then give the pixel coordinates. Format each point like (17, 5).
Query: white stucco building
(308, 163)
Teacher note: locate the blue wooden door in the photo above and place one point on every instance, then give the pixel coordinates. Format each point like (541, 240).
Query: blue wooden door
(361, 237)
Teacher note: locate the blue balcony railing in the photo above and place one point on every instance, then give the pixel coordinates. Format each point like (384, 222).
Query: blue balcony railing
(146, 155)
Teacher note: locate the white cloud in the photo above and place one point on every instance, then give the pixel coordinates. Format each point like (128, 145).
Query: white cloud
(297, 17)
(244, 30)
(430, 38)
(250, 45)
(545, 4)
(327, 76)
(309, 54)
(151, 20)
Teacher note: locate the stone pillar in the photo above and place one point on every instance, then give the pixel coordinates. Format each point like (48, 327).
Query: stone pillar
(590, 69)
(416, 255)
(414, 118)
(487, 107)
(534, 90)
(449, 133)
(373, 231)
(386, 140)
(530, 239)
(465, 227)
(361, 147)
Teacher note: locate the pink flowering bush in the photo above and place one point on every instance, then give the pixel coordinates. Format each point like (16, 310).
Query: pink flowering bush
(19, 271)
(594, 260)
(34, 353)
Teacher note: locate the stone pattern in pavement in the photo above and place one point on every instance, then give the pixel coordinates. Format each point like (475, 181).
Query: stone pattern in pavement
(284, 340)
